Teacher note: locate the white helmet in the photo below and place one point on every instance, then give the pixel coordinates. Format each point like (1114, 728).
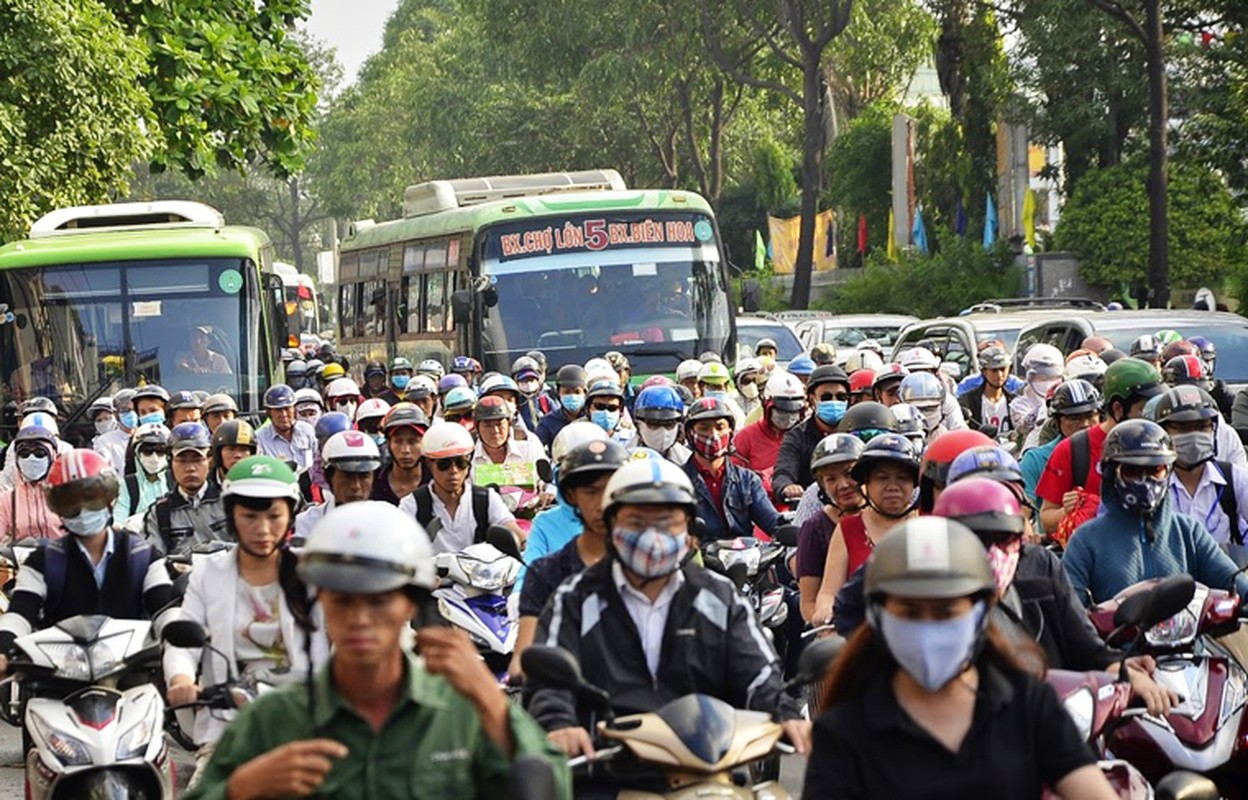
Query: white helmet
(447, 440)
(351, 451)
(1085, 365)
(1044, 360)
(575, 434)
(863, 359)
(747, 366)
(600, 369)
(688, 369)
(43, 420)
(305, 396)
(918, 358)
(343, 387)
(648, 481)
(431, 366)
(873, 345)
(421, 384)
(785, 386)
(369, 547)
(372, 408)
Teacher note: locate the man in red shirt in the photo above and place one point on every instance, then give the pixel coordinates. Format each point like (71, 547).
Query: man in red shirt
(1129, 383)
(757, 445)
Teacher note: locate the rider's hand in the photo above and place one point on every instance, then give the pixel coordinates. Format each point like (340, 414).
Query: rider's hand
(1156, 698)
(797, 731)
(4, 665)
(792, 492)
(573, 741)
(296, 769)
(1070, 501)
(182, 690)
(450, 653)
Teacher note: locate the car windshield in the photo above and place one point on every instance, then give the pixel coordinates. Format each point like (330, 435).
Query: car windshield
(66, 330)
(656, 304)
(1231, 340)
(1007, 335)
(749, 334)
(850, 336)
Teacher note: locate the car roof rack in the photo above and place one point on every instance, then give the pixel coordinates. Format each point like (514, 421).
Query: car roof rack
(998, 305)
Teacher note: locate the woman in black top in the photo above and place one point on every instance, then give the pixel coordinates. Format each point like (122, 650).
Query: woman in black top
(927, 702)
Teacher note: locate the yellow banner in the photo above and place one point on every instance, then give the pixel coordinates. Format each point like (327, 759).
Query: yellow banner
(784, 234)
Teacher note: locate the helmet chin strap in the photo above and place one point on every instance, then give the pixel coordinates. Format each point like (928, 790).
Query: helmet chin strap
(871, 503)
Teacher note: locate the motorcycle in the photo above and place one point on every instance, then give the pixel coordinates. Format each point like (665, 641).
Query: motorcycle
(750, 563)
(12, 558)
(89, 710)
(1199, 651)
(698, 745)
(475, 595)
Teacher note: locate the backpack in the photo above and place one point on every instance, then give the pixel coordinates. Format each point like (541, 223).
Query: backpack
(133, 490)
(56, 566)
(1080, 458)
(1229, 502)
(423, 496)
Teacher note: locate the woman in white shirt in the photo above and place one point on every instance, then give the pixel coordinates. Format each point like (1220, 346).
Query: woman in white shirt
(257, 611)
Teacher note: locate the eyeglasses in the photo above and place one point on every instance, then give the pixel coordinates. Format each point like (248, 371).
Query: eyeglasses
(1138, 472)
(445, 464)
(605, 406)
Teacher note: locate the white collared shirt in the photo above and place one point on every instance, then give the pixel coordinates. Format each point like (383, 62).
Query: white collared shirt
(101, 568)
(459, 532)
(1204, 504)
(650, 618)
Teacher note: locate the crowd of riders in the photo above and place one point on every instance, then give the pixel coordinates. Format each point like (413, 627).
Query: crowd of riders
(953, 532)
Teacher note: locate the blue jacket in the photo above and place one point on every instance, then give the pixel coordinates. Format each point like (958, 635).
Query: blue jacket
(1111, 552)
(552, 529)
(548, 427)
(1013, 384)
(745, 504)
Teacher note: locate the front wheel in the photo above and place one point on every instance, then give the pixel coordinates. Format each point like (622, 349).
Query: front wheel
(117, 783)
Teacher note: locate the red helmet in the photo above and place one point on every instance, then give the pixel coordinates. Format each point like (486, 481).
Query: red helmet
(983, 505)
(860, 381)
(939, 455)
(1186, 369)
(80, 479)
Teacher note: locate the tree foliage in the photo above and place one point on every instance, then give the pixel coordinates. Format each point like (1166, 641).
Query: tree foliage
(1106, 223)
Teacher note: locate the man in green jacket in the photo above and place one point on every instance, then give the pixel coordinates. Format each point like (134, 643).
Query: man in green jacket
(375, 722)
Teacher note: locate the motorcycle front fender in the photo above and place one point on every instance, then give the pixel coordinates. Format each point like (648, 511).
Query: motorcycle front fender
(125, 783)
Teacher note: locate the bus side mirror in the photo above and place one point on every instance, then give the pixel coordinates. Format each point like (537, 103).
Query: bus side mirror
(490, 297)
(461, 304)
(751, 296)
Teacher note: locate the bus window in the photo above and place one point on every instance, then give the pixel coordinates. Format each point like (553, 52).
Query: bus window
(409, 318)
(373, 308)
(435, 302)
(347, 311)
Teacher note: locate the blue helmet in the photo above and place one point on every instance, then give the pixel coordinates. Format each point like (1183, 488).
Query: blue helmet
(499, 383)
(190, 435)
(331, 423)
(449, 382)
(465, 364)
(985, 461)
(279, 396)
(802, 365)
(659, 404)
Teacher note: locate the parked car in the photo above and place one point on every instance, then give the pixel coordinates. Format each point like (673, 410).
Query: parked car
(751, 329)
(1229, 332)
(845, 331)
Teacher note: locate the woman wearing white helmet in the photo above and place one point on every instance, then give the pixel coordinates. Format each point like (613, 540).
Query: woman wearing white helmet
(24, 512)
(372, 568)
(343, 395)
(309, 405)
(9, 476)
(687, 373)
(150, 479)
(457, 512)
(1043, 366)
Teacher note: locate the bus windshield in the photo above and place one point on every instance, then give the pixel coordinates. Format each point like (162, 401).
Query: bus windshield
(182, 323)
(654, 290)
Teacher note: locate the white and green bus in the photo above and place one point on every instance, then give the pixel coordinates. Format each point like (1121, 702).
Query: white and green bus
(572, 264)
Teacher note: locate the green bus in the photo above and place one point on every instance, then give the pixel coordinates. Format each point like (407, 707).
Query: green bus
(100, 297)
(572, 264)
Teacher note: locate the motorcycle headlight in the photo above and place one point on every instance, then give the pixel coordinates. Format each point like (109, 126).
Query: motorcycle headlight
(1081, 707)
(748, 557)
(1181, 628)
(489, 576)
(69, 751)
(134, 742)
(70, 659)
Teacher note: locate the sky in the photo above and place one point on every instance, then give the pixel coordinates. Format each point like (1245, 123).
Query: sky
(353, 27)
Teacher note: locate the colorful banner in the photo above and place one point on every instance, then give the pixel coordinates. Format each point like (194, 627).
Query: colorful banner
(783, 234)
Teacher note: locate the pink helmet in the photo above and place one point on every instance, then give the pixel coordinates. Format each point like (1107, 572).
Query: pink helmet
(983, 505)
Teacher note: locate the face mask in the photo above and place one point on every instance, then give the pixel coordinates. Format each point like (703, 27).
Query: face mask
(33, 468)
(711, 447)
(717, 394)
(1141, 497)
(931, 652)
(1193, 448)
(1042, 388)
(129, 420)
(830, 412)
(399, 381)
(88, 522)
(750, 391)
(155, 418)
(572, 403)
(656, 438)
(931, 418)
(785, 419)
(511, 409)
(153, 463)
(529, 387)
(607, 420)
(1003, 558)
(103, 426)
(650, 553)
(348, 409)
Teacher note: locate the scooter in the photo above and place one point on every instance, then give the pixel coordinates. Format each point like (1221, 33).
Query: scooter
(90, 712)
(475, 595)
(1198, 650)
(750, 563)
(12, 558)
(698, 745)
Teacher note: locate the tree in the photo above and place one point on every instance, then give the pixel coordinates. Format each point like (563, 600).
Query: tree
(859, 176)
(1104, 219)
(796, 35)
(876, 56)
(71, 108)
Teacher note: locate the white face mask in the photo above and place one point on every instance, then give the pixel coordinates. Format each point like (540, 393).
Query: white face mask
(749, 390)
(153, 463)
(34, 468)
(103, 426)
(785, 419)
(657, 438)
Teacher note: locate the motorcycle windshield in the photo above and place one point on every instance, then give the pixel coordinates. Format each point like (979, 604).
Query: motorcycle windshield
(703, 724)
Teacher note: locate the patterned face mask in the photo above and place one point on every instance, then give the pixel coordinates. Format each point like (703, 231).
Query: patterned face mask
(710, 446)
(1003, 558)
(650, 553)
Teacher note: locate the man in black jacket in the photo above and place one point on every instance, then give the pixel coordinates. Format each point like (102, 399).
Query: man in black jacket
(988, 405)
(648, 626)
(828, 393)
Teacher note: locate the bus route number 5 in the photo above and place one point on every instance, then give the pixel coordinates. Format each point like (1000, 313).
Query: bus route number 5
(596, 234)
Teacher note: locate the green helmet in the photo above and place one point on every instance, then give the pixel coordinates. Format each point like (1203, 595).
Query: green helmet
(261, 476)
(1130, 379)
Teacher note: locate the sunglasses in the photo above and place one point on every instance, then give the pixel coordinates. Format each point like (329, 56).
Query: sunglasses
(153, 451)
(445, 464)
(339, 402)
(989, 538)
(825, 396)
(1133, 472)
(31, 450)
(604, 406)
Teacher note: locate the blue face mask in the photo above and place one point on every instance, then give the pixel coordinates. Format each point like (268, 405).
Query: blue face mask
(607, 420)
(718, 394)
(88, 522)
(129, 420)
(155, 418)
(400, 381)
(572, 403)
(933, 652)
(830, 411)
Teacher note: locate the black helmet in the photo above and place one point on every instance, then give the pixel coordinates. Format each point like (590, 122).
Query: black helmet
(237, 432)
(837, 448)
(152, 390)
(591, 458)
(405, 415)
(539, 357)
(374, 367)
(828, 373)
(184, 400)
(571, 376)
(1139, 442)
(994, 357)
(887, 448)
(1075, 396)
(1185, 403)
(867, 417)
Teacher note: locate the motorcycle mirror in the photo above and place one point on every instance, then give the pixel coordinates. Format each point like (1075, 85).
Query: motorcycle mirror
(545, 471)
(818, 658)
(504, 541)
(556, 667)
(1183, 785)
(990, 431)
(738, 573)
(787, 535)
(697, 528)
(1167, 598)
(184, 633)
(532, 778)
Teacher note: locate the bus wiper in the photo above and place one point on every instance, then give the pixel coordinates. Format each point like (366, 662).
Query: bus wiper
(672, 352)
(81, 408)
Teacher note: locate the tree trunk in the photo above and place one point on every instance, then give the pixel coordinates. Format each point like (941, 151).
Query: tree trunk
(812, 178)
(1158, 179)
(296, 226)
